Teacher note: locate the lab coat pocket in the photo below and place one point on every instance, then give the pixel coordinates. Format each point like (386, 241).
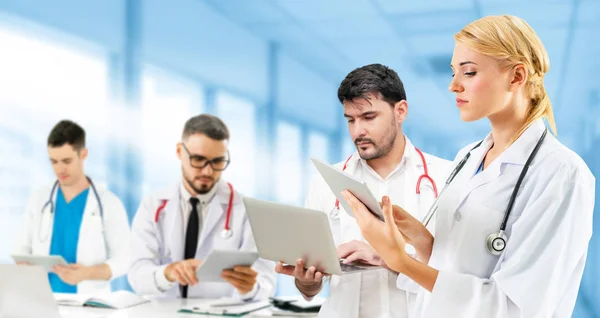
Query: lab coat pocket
(474, 222)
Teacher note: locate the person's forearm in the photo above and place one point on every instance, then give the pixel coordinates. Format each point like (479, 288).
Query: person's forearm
(424, 248)
(421, 273)
(99, 272)
(309, 291)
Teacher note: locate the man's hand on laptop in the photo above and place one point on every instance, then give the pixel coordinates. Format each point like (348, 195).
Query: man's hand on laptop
(184, 272)
(308, 281)
(357, 251)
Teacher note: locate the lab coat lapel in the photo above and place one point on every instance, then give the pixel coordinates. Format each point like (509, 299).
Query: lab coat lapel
(215, 211)
(92, 206)
(349, 229)
(345, 298)
(467, 174)
(91, 222)
(517, 153)
(412, 202)
(172, 224)
(217, 208)
(45, 229)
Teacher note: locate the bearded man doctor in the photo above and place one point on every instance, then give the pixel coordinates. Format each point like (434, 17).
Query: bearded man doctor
(176, 228)
(375, 107)
(77, 219)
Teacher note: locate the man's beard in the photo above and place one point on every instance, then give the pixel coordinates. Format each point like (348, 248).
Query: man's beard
(204, 189)
(380, 151)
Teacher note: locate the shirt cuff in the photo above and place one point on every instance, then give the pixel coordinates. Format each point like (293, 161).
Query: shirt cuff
(113, 269)
(251, 294)
(162, 283)
(403, 282)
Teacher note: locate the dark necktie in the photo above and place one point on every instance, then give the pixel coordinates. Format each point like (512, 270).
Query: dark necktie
(191, 237)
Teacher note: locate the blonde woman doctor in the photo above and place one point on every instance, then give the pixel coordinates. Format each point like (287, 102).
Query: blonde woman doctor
(513, 226)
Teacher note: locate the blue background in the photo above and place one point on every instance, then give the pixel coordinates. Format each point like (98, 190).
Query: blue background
(132, 71)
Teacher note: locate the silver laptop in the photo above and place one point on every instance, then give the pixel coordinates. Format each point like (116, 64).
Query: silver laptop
(287, 233)
(25, 293)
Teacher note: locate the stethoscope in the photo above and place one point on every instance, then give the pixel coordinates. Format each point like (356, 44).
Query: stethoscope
(495, 242)
(227, 232)
(334, 214)
(50, 203)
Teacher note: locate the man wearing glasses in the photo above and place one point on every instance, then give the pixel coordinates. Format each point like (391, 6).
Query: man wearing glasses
(175, 229)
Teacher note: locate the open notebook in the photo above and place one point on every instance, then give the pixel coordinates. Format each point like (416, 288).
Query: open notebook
(224, 308)
(116, 300)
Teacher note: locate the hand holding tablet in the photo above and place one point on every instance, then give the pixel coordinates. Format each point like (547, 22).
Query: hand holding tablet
(218, 260)
(45, 261)
(339, 181)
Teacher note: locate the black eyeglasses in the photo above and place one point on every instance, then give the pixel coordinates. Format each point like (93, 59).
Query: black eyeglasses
(199, 162)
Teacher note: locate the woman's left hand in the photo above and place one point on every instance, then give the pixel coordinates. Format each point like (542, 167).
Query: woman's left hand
(384, 237)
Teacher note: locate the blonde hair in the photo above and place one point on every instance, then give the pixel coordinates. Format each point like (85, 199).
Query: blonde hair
(512, 41)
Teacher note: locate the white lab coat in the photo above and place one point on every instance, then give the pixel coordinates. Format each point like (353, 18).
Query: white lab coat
(101, 240)
(156, 245)
(548, 231)
(344, 299)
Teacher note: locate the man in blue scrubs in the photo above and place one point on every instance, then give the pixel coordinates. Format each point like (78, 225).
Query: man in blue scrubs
(65, 238)
(81, 221)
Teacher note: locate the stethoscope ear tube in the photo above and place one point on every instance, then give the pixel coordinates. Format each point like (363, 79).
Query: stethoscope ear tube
(50, 203)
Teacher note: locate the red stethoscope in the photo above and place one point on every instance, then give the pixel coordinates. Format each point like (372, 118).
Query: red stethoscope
(226, 233)
(335, 211)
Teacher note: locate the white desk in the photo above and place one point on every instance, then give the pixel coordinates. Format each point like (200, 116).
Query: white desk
(158, 308)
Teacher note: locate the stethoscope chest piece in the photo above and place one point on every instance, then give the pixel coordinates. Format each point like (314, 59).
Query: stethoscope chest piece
(496, 242)
(334, 214)
(226, 233)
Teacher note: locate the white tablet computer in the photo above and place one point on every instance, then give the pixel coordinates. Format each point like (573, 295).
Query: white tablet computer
(45, 261)
(210, 269)
(339, 181)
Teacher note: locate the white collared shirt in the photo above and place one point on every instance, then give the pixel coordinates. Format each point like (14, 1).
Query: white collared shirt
(186, 206)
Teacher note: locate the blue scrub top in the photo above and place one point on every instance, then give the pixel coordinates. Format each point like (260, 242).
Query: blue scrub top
(65, 235)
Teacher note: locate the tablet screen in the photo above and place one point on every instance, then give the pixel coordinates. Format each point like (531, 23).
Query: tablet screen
(339, 181)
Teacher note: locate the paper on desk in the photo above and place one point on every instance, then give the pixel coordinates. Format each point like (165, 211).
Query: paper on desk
(286, 313)
(234, 310)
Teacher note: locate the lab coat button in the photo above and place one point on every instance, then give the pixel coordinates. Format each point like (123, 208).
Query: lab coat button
(457, 216)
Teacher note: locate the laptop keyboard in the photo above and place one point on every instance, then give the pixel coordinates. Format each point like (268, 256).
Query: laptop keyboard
(347, 268)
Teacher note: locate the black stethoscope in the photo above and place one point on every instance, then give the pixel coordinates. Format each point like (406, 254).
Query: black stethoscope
(496, 242)
(50, 203)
